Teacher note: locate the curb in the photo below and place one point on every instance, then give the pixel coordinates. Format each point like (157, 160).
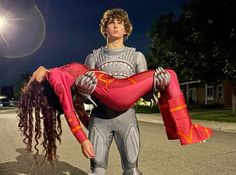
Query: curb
(156, 118)
(214, 125)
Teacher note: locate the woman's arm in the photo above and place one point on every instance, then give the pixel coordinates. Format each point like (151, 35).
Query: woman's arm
(61, 82)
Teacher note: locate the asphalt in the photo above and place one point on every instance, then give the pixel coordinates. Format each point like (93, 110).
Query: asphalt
(156, 118)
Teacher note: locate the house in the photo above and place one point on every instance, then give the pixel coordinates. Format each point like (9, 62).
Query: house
(200, 93)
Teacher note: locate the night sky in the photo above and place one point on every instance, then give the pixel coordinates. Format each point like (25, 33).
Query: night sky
(72, 31)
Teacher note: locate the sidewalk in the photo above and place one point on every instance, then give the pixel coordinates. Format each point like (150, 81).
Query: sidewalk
(156, 118)
(217, 126)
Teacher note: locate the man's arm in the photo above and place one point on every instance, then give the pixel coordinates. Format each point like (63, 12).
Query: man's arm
(141, 67)
(161, 77)
(86, 83)
(141, 62)
(90, 61)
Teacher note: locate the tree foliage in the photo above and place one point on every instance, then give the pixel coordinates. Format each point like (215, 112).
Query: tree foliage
(24, 78)
(200, 44)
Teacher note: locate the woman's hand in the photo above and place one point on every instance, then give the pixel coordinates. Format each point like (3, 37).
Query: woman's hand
(39, 75)
(87, 149)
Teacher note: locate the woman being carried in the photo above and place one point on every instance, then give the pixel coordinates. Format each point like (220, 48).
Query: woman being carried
(111, 92)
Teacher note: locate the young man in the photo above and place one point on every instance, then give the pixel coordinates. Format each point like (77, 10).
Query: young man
(107, 124)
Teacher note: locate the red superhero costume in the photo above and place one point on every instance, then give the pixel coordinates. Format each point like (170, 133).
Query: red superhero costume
(121, 94)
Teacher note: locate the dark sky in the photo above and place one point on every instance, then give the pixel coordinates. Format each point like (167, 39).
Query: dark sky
(72, 31)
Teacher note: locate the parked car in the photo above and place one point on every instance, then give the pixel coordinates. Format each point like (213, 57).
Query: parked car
(4, 101)
(13, 102)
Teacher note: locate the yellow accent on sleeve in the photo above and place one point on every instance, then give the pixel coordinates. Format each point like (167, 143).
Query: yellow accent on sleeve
(75, 129)
(178, 108)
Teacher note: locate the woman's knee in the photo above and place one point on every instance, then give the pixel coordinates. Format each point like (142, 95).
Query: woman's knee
(172, 73)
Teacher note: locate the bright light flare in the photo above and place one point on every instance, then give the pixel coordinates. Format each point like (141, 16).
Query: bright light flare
(22, 28)
(6, 24)
(3, 23)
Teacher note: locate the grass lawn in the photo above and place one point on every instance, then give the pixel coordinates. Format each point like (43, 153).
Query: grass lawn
(211, 114)
(221, 116)
(146, 109)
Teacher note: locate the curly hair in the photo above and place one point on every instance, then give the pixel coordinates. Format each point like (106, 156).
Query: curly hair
(119, 14)
(37, 102)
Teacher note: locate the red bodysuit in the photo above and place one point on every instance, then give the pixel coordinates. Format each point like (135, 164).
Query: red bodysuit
(121, 94)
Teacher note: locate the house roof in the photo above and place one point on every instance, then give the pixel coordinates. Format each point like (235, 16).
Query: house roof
(190, 82)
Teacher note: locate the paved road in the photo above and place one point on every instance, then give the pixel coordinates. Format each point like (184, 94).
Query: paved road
(158, 155)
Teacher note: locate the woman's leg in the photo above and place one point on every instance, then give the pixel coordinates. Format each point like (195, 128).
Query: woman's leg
(176, 116)
(121, 94)
(166, 116)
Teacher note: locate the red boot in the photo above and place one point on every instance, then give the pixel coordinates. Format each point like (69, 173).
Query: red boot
(167, 118)
(188, 133)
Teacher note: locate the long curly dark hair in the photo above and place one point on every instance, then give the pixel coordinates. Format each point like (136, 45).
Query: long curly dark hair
(39, 113)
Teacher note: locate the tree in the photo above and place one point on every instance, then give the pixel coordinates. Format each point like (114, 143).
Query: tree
(201, 44)
(24, 78)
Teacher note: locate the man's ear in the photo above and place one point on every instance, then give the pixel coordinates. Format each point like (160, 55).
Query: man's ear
(106, 31)
(125, 32)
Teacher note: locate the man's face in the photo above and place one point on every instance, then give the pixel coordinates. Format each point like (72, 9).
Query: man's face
(115, 29)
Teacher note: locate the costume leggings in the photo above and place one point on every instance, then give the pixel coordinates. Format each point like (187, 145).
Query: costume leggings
(121, 94)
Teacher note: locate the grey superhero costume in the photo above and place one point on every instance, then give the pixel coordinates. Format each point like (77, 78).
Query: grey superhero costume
(106, 123)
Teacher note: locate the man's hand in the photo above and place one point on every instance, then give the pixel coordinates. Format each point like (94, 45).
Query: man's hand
(86, 83)
(161, 79)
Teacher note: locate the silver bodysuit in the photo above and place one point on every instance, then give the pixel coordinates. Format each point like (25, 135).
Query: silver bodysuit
(106, 123)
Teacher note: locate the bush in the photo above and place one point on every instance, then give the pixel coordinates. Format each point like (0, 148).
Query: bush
(147, 109)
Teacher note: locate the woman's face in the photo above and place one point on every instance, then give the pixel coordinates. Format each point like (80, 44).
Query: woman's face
(115, 29)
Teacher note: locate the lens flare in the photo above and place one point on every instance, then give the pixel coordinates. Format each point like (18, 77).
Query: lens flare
(22, 28)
